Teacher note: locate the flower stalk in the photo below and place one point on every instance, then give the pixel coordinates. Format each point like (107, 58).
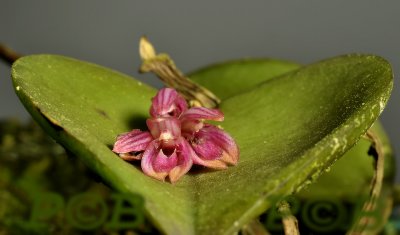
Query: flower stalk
(8, 55)
(164, 67)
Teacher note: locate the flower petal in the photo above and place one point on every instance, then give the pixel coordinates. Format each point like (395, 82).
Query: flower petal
(165, 129)
(199, 113)
(190, 126)
(206, 149)
(167, 103)
(184, 163)
(133, 141)
(223, 140)
(207, 153)
(217, 164)
(148, 158)
(192, 119)
(214, 148)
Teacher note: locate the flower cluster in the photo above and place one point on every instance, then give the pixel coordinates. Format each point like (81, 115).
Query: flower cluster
(178, 138)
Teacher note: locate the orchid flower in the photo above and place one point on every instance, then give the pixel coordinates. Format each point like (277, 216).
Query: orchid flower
(168, 154)
(178, 138)
(214, 147)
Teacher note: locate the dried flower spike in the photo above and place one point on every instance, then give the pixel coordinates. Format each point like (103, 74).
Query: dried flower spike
(164, 67)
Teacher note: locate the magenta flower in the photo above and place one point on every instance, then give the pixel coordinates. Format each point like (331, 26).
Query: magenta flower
(167, 103)
(169, 153)
(214, 147)
(178, 138)
(131, 145)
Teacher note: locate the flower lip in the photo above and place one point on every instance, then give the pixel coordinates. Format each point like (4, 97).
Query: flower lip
(157, 164)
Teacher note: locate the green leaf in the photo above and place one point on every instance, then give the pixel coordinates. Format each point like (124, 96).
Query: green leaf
(231, 78)
(288, 128)
(348, 182)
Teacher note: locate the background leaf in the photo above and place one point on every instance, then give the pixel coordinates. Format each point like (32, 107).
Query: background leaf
(231, 78)
(288, 128)
(302, 122)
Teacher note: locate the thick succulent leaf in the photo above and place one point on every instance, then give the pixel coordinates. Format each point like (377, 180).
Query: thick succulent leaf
(292, 127)
(288, 128)
(234, 77)
(348, 182)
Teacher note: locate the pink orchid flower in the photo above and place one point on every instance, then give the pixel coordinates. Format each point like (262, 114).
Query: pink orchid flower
(178, 138)
(214, 147)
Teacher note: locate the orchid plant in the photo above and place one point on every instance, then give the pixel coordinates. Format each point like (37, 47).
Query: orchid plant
(290, 122)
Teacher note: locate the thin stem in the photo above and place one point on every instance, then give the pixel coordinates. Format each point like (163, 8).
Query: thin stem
(289, 221)
(164, 67)
(8, 55)
(361, 225)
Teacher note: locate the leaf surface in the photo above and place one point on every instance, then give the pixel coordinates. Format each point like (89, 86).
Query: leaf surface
(289, 129)
(231, 78)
